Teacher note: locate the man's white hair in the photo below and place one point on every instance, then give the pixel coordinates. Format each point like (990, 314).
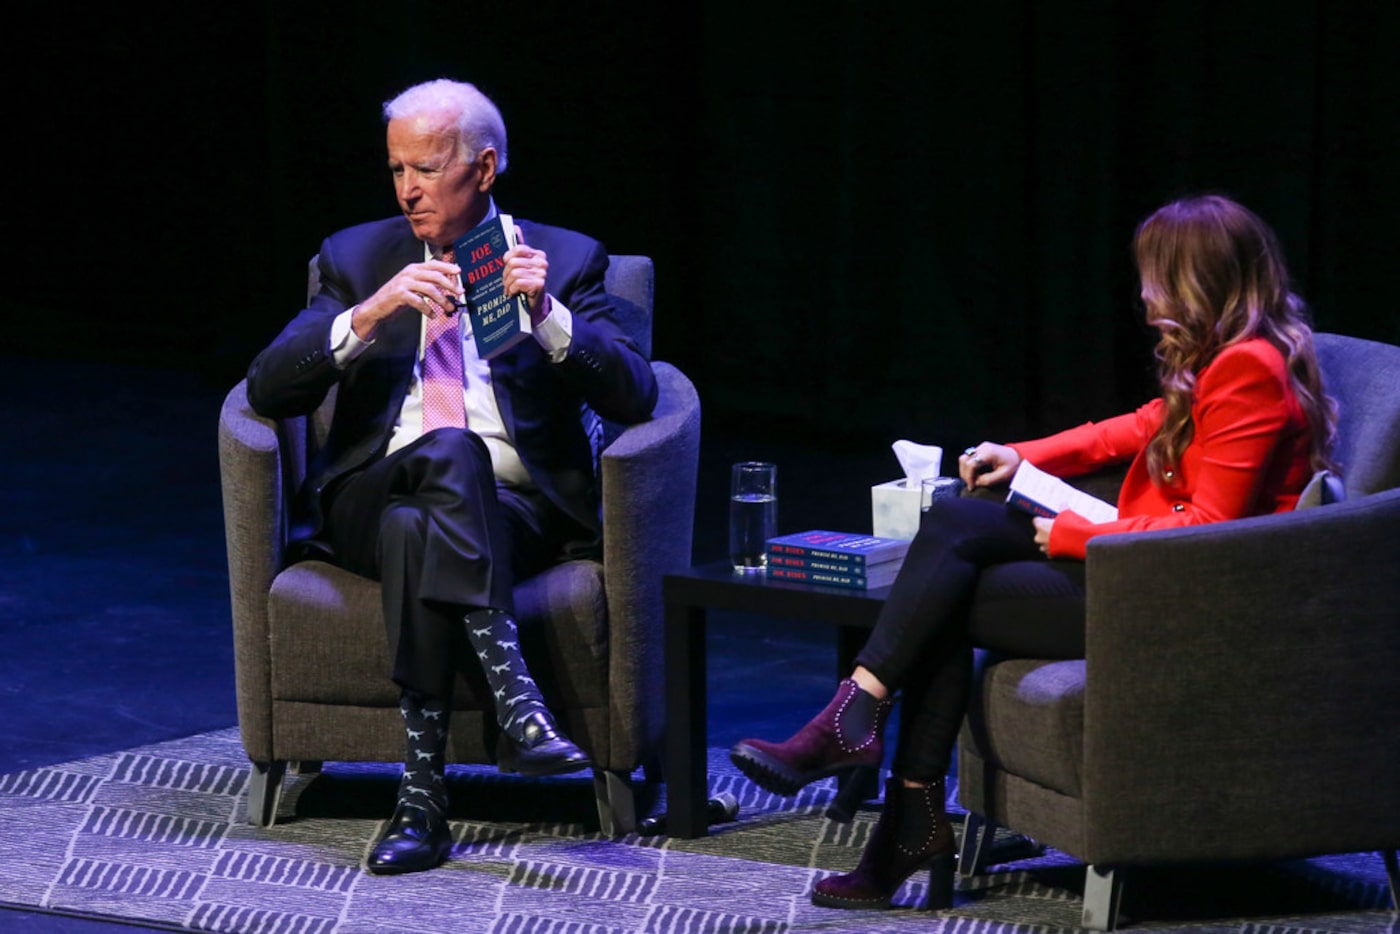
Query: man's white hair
(479, 123)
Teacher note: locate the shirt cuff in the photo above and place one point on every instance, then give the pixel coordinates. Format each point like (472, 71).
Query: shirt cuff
(556, 332)
(345, 346)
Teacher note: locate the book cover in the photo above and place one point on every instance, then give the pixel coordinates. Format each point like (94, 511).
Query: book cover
(845, 547)
(498, 321)
(880, 575)
(1042, 494)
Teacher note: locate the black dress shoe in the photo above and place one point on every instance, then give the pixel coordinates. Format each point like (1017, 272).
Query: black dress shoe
(541, 750)
(416, 839)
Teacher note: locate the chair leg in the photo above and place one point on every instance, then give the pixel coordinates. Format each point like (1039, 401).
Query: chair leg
(1103, 893)
(1392, 873)
(974, 854)
(265, 792)
(305, 767)
(617, 806)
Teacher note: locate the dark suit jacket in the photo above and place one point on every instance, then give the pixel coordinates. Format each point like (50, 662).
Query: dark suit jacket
(540, 401)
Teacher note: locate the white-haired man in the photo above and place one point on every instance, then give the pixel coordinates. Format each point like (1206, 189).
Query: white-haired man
(448, 497)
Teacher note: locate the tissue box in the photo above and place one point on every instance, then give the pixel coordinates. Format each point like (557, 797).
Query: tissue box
(895, 509)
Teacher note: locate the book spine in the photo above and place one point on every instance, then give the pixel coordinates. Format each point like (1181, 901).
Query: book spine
(1024, 503)
(818, 564)
(817, 554)
(808, 576)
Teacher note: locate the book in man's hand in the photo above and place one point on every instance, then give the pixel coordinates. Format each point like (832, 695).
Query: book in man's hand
(498, 321)
(846, 549)
(1042, 494)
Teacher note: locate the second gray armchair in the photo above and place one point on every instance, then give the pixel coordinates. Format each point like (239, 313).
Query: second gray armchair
(1240, 694)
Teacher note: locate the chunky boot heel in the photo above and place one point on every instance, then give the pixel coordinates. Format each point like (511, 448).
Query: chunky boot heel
(848, 734)
(913, 832)
(940, 882)
(860, 786)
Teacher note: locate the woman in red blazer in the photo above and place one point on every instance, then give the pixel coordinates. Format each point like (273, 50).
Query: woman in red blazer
(1241, 425)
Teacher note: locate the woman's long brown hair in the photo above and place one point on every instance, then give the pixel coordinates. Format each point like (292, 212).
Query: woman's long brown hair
(1213, 275)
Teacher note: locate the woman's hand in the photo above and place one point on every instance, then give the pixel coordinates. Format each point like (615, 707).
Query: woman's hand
(1042, 533)
(987, 464)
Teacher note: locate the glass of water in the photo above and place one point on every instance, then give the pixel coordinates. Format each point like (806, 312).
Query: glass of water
(753, 514)
(933, 488)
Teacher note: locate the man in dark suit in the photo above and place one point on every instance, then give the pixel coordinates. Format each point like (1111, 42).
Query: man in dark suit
(445, 476)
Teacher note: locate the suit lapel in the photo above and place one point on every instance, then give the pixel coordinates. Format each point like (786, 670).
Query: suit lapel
(402, 332)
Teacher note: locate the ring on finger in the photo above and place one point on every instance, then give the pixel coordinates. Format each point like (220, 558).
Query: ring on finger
(970, 451)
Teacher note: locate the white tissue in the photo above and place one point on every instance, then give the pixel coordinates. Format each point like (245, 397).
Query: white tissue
(919, 461)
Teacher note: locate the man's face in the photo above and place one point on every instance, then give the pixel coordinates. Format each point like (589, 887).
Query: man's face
(442, 196)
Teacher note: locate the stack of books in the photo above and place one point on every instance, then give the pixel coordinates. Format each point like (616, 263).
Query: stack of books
(837, 559)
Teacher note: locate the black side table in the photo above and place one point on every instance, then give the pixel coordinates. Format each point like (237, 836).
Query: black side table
(688, 595)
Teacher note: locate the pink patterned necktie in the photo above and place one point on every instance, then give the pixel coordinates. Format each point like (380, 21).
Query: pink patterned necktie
(441, 373)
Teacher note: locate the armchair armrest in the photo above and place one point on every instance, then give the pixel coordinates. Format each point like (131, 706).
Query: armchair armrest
(1238, 671)
(649, 475)
(250, 469)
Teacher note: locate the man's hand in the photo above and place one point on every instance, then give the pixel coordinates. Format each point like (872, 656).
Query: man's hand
(987, 464)
(526, 268)
(417, 286)
(1042, 533)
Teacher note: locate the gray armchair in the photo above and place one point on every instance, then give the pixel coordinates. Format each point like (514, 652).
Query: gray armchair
(1240, 694)
(311, 662)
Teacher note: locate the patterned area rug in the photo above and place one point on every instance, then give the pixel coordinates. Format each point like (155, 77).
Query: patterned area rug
(157, 836)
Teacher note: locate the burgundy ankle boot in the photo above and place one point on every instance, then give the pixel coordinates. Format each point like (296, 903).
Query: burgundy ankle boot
(913, 832)
(848, 734)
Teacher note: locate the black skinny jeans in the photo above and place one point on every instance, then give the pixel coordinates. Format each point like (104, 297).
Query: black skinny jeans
(973, 578)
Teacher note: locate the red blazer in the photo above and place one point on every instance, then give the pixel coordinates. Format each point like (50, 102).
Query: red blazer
(1249, 454)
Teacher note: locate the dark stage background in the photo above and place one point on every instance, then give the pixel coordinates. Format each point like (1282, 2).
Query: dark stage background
(880, 221)
(887, 220)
